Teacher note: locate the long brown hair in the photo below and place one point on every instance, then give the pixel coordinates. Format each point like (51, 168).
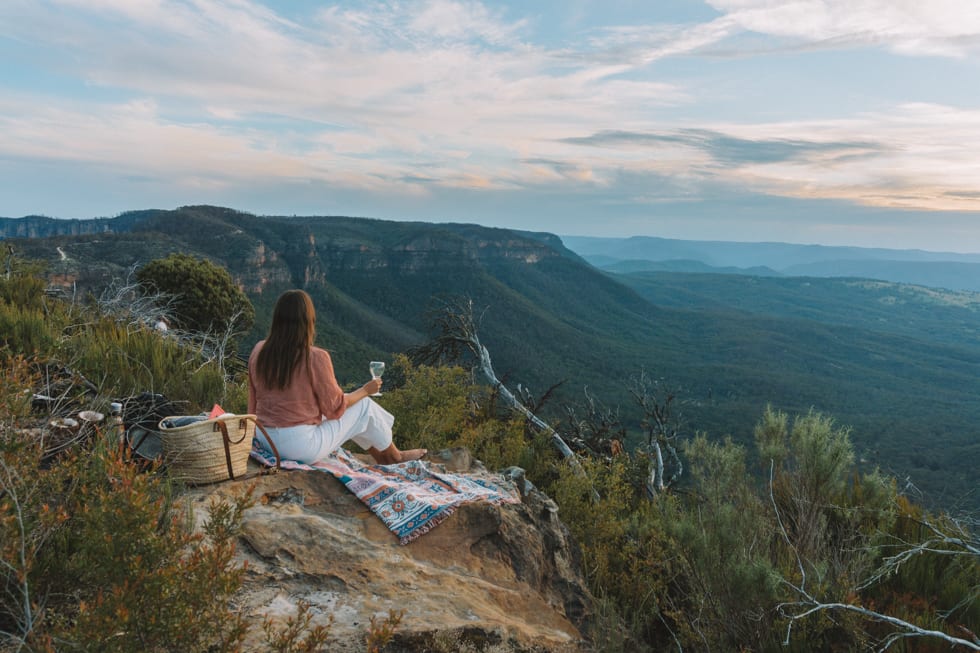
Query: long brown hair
(289, 341)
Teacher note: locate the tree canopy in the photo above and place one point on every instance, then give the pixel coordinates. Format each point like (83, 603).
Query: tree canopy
(205, 297)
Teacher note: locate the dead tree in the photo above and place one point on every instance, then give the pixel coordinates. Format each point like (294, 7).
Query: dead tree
(661, 424)
(134, 305)
(594, 428)
(9, 262)
(956, 538)
(457, 338)
(130, 303)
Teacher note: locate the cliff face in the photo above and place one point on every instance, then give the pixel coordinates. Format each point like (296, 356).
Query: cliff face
(36, 226)
(431, 249)
(271, 252)
(506, 575)
(39, 226)
(375, 283)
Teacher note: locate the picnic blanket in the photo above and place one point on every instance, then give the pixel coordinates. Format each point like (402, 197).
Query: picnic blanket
(410, 498)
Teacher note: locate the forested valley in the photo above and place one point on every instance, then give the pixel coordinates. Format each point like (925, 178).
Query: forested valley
(743, 476)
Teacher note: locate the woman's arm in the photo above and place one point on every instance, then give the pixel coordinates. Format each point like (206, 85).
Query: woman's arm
(371, 387)
(329, 395)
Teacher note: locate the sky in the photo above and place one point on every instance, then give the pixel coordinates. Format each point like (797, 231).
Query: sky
(838, 122)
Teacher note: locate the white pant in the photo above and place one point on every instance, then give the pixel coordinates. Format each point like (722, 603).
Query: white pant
(366, 423)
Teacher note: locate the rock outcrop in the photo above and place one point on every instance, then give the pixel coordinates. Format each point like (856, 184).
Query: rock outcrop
(501, 578)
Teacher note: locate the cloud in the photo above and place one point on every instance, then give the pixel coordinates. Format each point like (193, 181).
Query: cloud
(378, 91)
(642, 44)
(900, 159)
(432, 97)
(462, 21)
(130, 138)
(947, 28)
(937, 27)
(730, 150)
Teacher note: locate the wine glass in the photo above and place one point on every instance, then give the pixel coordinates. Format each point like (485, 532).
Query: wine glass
(377, 369)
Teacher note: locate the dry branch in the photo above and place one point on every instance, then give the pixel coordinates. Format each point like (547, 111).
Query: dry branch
(458, 338)
(808, 604)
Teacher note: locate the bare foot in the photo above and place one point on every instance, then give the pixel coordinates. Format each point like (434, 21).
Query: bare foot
(392, 455)
(413, 454)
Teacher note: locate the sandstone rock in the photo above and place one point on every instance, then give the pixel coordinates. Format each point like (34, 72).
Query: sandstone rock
(490, 578)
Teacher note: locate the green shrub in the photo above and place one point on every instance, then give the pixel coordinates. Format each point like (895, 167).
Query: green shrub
(433, 405)
(440, 407)
(96, 556)
(724, 585)
(205, 296)
(23, 286)
(24, 330)
(27, 318)
(125, 360)
(118, 356)
(623, 547)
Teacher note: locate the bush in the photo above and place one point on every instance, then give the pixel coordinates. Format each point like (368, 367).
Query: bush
(123, 360)
(623, 549)
(205, 296)
(95, 555)
(440, 407)
(724, 585)
(25, 316)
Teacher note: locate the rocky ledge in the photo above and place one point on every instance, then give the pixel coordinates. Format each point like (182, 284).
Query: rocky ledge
(490, 578)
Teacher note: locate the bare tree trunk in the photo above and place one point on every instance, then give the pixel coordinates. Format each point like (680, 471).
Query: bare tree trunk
(662, 428)
(655, 482)
(458, 334)
(486, 368)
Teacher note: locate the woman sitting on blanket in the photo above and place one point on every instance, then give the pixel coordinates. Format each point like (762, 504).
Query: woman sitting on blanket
(293, 392)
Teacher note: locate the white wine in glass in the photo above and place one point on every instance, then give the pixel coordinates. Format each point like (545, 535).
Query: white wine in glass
(377, 369)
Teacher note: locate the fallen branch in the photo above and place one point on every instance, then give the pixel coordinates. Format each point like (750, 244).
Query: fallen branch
(457, 336)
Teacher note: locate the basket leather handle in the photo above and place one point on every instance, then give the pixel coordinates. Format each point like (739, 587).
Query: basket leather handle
(268, 438)
(226, 440)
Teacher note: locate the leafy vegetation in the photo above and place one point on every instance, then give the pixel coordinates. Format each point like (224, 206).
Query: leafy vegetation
(91, 547)
(724, 565)
(899, 365)
(98, 553)
(205, 298)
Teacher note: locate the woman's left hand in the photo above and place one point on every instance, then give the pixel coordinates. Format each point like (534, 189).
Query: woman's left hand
(372, 387)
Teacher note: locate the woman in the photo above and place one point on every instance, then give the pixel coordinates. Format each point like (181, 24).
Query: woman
(293, 392)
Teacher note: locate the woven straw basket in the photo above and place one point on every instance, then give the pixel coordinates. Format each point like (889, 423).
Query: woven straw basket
(208, 451)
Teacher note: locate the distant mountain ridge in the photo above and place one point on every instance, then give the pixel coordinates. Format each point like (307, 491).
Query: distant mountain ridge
(954, 271)
(676, 265)
(40, 226)
(547, 316)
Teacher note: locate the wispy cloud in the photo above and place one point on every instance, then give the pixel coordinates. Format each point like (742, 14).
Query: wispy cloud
(424, 98)
(897, 159)
(729, 150)
(937, 27)
(446, 84)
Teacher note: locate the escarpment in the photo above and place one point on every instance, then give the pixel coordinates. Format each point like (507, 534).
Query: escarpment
(508, 575)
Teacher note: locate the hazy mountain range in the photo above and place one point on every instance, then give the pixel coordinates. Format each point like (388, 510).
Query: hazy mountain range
(898, 363)
(640, 253)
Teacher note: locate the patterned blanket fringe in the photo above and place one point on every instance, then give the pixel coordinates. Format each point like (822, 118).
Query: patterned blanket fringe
(428, 526)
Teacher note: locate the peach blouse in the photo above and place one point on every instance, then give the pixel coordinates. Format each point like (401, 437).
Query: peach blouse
(312, 395)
